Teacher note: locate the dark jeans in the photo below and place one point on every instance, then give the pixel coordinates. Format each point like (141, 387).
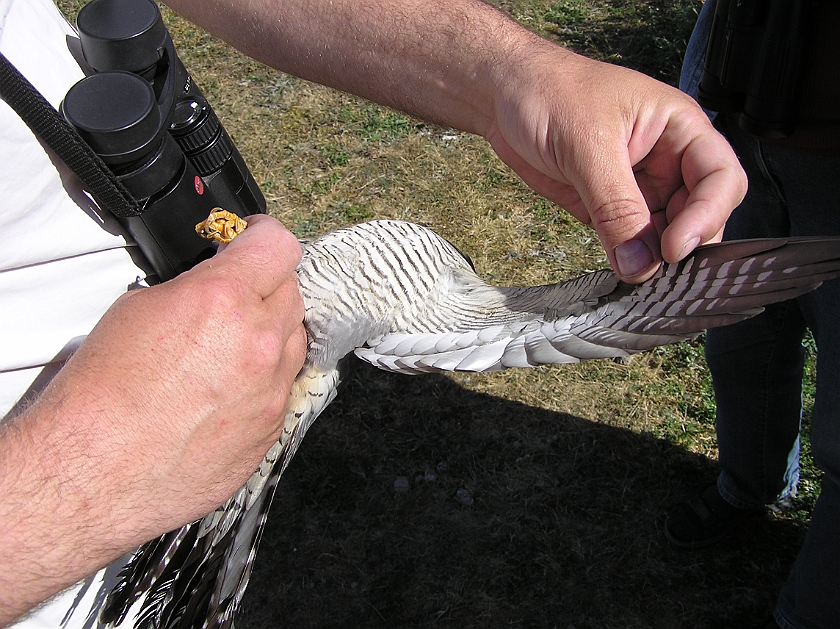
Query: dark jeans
(757, 367)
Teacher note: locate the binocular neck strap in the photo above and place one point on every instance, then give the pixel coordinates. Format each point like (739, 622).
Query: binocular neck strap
(48, 124)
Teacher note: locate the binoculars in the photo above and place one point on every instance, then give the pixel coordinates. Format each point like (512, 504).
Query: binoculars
(142, 113)
(754, 63)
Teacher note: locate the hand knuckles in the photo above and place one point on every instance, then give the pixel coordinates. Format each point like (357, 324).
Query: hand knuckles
(280, 249)
(289, 243)
(265, 350)
(223, 297)
(619, 215)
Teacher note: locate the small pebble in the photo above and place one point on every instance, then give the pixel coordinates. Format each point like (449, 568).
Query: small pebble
(401, 484)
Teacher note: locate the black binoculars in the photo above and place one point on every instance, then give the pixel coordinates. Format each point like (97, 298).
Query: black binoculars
(754, 63)
(143, 114)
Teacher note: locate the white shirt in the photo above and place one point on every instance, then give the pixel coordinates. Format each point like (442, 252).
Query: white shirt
(62, 261)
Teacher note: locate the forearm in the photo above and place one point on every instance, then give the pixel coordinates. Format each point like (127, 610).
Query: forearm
(440, 60)
(54, 530)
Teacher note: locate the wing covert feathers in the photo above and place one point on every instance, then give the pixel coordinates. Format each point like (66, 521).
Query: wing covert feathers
(596, 316)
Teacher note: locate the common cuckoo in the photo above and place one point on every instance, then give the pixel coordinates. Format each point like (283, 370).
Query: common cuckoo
(406, 300)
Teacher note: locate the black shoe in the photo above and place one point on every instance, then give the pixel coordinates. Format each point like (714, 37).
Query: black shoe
(705, 519)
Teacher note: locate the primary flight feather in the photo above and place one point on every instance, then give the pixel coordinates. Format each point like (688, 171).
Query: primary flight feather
(406, 300)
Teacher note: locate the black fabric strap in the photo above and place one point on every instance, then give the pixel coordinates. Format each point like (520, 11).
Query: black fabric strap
(50, 126)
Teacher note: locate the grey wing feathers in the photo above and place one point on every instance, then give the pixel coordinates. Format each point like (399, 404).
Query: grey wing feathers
(596, 316)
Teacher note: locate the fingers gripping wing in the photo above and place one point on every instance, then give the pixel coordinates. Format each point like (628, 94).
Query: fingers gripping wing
(596, 316)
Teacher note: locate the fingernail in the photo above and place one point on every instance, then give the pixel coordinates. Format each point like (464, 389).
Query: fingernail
(633, 257)
(688, 247)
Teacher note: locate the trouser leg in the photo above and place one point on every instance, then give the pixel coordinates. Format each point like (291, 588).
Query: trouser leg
(756, 365)
(804, 191)
(811, 596)
(757, 368)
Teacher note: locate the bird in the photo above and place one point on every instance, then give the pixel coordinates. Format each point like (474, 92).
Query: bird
(404, 299)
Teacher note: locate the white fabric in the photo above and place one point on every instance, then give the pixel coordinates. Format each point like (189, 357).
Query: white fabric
(61, 262)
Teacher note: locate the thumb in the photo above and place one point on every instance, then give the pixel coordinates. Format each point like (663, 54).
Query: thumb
(620, 216)
(262, 258)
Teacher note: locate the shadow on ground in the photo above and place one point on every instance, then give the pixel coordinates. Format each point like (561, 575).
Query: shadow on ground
(416, 503)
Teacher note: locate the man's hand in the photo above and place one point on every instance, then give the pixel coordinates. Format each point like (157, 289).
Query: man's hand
(162, 413)
(634, 158)
(200, 369)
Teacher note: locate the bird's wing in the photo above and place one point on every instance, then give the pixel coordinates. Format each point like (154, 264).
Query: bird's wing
(406, 300)
(196, 576)
(596, 316)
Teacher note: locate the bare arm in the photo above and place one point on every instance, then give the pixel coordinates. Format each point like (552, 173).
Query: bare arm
(633, 157)
(162, 413)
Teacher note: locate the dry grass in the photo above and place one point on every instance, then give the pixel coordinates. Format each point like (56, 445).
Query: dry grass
(526, 498)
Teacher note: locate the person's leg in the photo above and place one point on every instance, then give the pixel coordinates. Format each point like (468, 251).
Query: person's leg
(756, 367)
(811, 597)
